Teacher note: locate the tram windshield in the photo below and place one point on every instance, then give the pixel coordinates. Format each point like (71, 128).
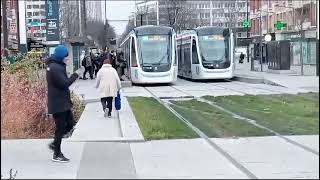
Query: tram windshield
(154, 49)
(214, 48)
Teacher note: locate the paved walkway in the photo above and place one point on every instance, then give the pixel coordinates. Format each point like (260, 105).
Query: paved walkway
(289, 80)
(265, 157)
(115, 148)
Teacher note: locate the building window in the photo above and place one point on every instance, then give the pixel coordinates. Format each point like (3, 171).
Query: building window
(29, 7)
(36, 6)
(42, 6)
(43, 20)
(36, 13)
(43, 27)
(42, 13)
(239, 34)
(29, 14)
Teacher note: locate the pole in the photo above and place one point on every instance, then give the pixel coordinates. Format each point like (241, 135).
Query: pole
(301, 48)
(158, 23)
(248, 31)
(260, 39)
(22, 27)
(5, 27)
(80, 19)
(211, 13)
(317, 45)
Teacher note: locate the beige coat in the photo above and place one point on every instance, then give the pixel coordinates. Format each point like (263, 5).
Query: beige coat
(108, 81)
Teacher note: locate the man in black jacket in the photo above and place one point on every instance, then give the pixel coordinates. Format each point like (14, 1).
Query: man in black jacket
(59, 99)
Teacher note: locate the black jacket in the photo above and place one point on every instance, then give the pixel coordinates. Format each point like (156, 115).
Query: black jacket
(59, 99)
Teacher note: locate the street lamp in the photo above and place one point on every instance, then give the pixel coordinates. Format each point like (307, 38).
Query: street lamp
(260, 39)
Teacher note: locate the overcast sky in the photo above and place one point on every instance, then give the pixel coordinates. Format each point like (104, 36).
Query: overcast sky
(119, 10)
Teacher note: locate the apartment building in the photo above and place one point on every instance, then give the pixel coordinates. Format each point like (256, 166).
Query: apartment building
(198, 13)
(292, 12)
(300, 18)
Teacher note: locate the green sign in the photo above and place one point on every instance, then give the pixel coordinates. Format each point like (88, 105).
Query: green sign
(279, 25)
(246, 23)
(34, 23)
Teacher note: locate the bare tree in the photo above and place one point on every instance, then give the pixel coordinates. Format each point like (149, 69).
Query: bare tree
(179, 14)
(142, 12)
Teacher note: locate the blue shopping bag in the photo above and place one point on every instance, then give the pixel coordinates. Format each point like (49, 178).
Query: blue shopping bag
(117, 101)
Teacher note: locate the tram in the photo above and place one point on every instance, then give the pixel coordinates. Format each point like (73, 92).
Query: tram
(150, 55)
(206, 53)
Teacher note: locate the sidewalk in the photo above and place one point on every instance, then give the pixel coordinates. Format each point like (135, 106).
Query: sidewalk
(115, 148)
(265, 157)
(289, 80)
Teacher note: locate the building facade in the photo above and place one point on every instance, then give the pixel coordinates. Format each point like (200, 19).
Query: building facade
(300, 19)
(193, 14)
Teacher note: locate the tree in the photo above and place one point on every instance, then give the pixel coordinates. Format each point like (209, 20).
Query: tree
(178, 14)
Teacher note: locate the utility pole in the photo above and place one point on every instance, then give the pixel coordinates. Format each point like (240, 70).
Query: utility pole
(260, 39)
(5, 27)
(158, 23)
(248, 31)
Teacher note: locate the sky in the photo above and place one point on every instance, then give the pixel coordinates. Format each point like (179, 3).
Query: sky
(119, 10)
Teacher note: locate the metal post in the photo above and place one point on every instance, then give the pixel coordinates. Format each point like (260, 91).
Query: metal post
(211, 13)
(80, 19)
(260, 39)
(248, 31)
(158, 13)
(5, 27)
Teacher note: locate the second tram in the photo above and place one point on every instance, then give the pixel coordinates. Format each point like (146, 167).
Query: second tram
(206, 53)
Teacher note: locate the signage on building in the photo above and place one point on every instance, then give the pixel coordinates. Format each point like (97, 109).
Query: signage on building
(52, 21)
(35, 45)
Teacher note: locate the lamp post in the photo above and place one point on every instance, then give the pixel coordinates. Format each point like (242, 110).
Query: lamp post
(260, 39)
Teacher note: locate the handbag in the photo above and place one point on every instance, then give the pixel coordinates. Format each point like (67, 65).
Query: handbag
(117, 102)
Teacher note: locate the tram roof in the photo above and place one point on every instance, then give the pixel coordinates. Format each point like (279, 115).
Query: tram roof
(152, 29)
(205, 30)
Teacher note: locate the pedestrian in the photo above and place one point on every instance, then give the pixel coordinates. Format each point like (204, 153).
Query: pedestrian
(108, 83)
(59, 100)
(241, 58)
(87, 63)
(113, 59)
(95, 63)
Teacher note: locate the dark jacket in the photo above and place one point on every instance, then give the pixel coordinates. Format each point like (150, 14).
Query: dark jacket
(59, 99)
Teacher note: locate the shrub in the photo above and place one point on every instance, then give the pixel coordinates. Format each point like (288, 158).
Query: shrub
(24, 100)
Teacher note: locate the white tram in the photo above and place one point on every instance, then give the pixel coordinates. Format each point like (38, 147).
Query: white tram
(206, 53)
(150, 53)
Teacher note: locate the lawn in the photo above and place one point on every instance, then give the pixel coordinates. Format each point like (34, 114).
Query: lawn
(286, 114)
(214, 122)
(157, 122)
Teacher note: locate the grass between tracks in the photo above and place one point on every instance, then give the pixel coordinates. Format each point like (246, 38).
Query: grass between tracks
(286, 114)
(156, 122)
(214, 122)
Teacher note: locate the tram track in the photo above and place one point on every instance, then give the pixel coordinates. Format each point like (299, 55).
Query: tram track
(235, 115)
(215, 146)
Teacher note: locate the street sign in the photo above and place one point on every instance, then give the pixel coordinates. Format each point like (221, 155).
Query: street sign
(246, 23)
(279, 25)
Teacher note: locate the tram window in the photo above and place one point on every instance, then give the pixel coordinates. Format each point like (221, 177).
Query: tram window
(133, 54)
(195, 59)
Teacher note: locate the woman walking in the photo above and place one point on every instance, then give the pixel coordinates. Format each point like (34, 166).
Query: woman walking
(108, 83)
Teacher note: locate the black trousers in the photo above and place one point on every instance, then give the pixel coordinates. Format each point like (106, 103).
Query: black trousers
(88, 69)
(96, 69)
(64, 123)
(107, 103)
